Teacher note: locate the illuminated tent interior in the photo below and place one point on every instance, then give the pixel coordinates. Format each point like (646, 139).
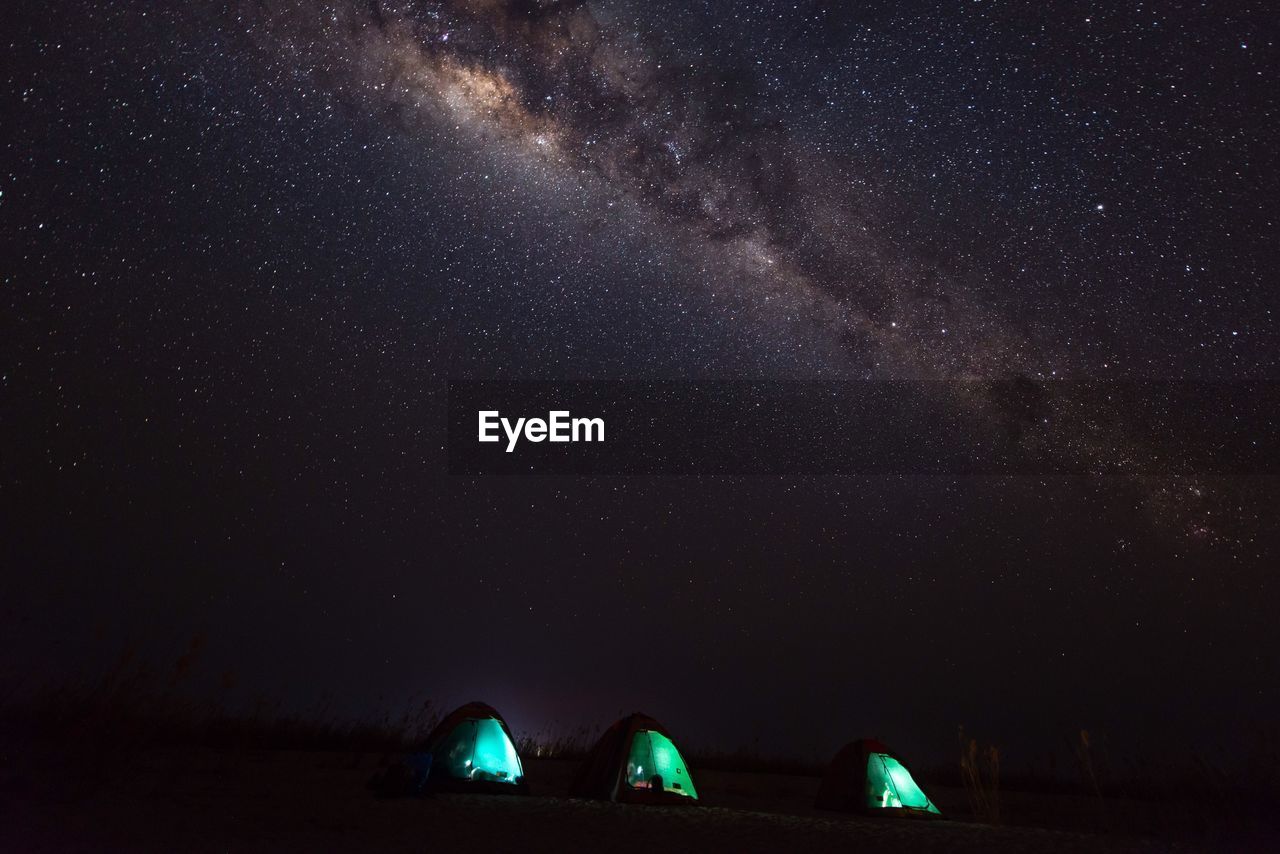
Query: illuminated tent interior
(636, 761)
(867, 777)
(472, 750)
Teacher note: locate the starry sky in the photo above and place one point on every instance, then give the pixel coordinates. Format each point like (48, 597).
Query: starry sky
(246, 246)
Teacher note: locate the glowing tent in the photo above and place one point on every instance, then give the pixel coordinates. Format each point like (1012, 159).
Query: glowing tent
(635, 761)
(867, 777)
(472, 750)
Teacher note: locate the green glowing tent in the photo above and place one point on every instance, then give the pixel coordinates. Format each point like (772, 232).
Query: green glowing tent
(635, 761)
(472, 750)
(867, 777)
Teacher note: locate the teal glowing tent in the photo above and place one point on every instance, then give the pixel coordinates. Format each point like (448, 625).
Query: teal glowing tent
(472, 750)
(636, 761)
(867, 777)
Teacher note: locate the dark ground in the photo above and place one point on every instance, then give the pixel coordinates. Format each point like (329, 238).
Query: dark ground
(187, 799)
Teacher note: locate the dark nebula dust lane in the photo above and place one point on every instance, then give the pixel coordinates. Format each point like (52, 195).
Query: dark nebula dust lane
(809, 237)
(245, 247)
(676, 137)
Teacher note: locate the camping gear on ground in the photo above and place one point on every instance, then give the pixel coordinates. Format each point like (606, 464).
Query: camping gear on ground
(404, 778)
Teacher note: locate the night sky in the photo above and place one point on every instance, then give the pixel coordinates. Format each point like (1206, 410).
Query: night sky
(246, 246)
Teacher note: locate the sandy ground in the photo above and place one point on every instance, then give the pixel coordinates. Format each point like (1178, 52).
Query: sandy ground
(282, 802)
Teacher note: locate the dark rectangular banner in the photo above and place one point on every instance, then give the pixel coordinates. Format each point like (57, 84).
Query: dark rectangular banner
(1013, 427)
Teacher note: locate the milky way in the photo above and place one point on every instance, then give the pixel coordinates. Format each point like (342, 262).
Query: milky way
(247, 247)
(754, 204)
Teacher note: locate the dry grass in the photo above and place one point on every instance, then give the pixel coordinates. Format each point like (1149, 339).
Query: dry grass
(980, 772)
(751, 760)
(1092, 772)
(135, 705)
(557, 743)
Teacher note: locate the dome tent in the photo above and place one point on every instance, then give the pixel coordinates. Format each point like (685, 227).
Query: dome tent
(867, 777)
(472, 750)
(636, 761)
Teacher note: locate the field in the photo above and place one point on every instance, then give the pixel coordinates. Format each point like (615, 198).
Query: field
(198, 799)
(132, 763)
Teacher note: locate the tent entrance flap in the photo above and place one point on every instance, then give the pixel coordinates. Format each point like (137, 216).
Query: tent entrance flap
(890, 786)
(478, 749)
(655, 763)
